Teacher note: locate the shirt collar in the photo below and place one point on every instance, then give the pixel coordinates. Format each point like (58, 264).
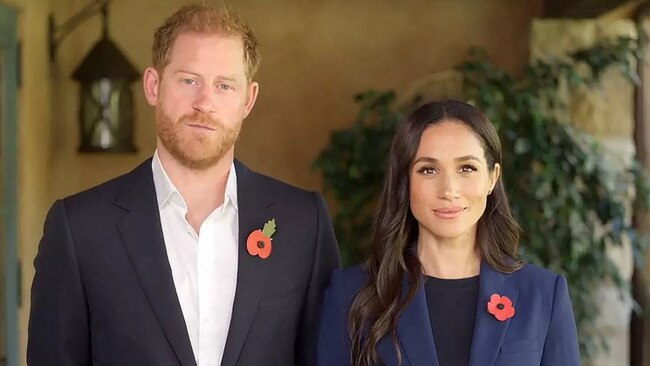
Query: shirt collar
(166, 191)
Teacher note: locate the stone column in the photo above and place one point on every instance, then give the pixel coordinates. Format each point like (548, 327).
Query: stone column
(643, 141)
(606, 113)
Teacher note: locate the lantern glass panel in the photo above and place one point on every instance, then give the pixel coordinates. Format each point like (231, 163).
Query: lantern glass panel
(106, 116)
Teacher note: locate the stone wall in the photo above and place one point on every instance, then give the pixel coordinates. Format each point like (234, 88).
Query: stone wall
(608, 114)
(643, 154)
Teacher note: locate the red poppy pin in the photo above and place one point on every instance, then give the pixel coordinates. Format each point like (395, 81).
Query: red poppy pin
(259, 241)
(501, 307)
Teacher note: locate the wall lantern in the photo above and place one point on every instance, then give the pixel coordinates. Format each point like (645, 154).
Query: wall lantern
(106, 103)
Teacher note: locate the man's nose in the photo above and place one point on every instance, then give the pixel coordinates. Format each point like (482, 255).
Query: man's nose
(204, 100)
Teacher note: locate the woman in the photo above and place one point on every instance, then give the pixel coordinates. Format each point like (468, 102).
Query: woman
(443, 284)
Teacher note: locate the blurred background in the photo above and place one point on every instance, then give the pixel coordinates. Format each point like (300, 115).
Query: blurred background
(575, 66)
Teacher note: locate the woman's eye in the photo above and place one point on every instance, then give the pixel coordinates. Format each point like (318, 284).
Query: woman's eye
(426, 170)
(467, 169)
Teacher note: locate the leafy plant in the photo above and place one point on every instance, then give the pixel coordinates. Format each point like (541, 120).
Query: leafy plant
(571, 203)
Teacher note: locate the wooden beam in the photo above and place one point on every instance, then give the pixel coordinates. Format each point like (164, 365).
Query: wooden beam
(577, 9)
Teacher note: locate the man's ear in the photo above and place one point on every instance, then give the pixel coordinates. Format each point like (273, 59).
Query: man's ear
(253, 89)
(151, 84)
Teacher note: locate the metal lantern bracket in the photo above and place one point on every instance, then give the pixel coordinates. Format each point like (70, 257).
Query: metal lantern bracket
(105, 74)
(56, 34)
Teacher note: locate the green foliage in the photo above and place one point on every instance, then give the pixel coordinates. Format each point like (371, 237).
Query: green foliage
(569, 199)
(353, 169)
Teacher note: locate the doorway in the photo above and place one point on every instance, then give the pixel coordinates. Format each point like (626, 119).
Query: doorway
(9, 267)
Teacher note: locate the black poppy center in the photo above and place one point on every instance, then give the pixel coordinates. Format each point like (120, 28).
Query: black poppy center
(500, 306)
(260, 244)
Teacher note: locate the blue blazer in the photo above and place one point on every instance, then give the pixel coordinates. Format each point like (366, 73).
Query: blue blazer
(542, 331)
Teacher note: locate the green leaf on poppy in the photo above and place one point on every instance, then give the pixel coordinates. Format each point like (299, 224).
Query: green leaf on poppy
(269, 228)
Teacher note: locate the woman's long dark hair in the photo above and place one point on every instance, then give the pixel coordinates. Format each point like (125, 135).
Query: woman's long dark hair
(378, 305)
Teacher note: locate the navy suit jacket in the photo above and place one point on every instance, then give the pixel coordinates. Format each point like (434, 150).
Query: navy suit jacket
(103, 292)
(542, 331)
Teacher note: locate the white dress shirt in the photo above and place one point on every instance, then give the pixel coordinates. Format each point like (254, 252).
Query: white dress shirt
(204, 265)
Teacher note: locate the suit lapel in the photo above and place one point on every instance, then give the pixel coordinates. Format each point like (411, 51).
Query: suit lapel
(251, 271)
(414, 330)
(143, 239)
(488, 331)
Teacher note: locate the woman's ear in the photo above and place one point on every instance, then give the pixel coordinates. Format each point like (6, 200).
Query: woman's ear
(494, 177)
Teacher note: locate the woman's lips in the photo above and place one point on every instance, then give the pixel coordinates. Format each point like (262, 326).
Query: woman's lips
(448, 212)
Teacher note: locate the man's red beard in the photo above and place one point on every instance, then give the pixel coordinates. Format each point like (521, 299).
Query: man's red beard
(195, 151)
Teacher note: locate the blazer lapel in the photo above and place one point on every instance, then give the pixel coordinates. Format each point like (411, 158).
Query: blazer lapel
(414, 331)
(488, 331)
(143, 239)
(251, 271)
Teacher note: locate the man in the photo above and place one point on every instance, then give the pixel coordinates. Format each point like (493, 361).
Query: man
(191, 258)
